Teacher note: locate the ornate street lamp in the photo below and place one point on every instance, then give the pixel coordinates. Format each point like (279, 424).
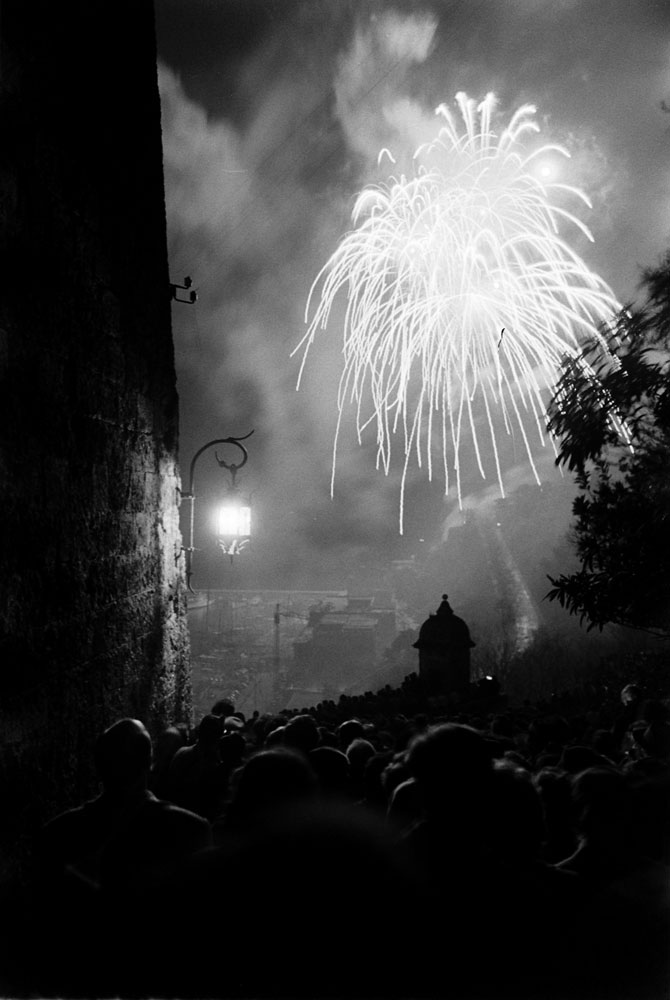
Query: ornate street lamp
(233, 516)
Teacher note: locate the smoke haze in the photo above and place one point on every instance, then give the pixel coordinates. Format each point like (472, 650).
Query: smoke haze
(274, 115)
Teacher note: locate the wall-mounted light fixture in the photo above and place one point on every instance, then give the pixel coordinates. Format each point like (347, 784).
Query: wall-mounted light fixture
(189, 294)
(232, 518)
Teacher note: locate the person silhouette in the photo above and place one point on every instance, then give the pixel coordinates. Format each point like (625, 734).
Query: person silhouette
(444, 646)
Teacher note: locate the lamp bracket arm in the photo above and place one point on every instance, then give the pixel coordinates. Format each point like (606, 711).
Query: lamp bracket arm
(229, 440)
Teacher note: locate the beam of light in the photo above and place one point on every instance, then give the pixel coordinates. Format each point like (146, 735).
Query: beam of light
(462, 296)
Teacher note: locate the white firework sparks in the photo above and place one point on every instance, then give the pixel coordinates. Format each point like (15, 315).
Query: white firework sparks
(462, 296)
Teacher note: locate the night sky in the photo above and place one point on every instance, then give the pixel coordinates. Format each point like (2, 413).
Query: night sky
(274, 112)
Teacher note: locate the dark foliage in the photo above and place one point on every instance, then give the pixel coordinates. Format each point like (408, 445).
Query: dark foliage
(611, 414)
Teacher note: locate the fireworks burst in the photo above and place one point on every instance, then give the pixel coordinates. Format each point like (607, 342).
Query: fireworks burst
(462, 297)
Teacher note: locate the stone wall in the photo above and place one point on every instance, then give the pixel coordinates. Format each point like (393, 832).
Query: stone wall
(92, 600)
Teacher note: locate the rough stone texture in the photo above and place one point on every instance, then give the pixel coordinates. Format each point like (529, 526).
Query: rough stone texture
(92, 606)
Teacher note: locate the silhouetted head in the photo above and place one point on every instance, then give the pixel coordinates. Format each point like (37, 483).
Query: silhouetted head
(348, 731)
(447, 751)
(122, 755)
(222, 707)
(302, 733)
(166, 746)
(275, 737)
(330, 879)
(359, 753)
(210, 730)
(271, 780)
(332, 770)
(452, 765)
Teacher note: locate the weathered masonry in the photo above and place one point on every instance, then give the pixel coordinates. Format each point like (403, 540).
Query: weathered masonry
(92, 604)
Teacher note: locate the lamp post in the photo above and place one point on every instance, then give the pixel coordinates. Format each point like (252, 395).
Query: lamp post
(233, 518)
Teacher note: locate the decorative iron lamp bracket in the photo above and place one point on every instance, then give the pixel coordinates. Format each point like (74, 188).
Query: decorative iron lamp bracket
(190, 495)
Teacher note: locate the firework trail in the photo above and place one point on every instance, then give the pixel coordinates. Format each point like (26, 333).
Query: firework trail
(462, 297)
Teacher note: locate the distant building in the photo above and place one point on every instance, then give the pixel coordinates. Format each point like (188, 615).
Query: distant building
(337, 648)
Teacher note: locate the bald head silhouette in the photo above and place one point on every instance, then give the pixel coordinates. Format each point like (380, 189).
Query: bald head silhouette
(123, 755)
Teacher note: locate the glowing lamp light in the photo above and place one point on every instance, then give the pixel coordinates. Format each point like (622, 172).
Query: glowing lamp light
(232, 520)
(233, 526)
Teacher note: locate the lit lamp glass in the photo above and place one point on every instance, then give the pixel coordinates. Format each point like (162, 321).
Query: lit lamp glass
(233, 521)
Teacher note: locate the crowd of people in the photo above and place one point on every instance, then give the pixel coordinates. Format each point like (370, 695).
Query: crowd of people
(395, 844)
